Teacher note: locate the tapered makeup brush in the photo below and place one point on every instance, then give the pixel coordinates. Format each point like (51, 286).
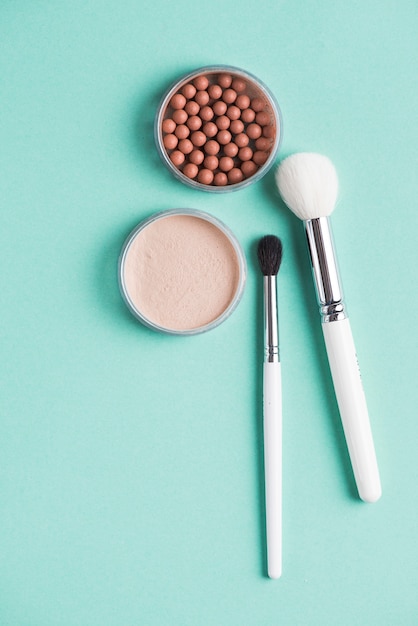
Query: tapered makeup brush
(308, 184)
(270, 256)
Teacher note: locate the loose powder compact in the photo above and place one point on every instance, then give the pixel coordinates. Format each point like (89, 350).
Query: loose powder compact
(182, 272)
(218, 128)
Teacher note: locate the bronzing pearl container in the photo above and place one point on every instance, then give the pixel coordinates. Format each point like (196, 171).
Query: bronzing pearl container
(218, 129)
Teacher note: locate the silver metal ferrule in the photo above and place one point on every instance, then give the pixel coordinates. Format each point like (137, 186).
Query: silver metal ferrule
(271, 326)
(325, 270)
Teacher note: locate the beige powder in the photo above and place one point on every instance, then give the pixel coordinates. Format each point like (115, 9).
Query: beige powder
(181, 272)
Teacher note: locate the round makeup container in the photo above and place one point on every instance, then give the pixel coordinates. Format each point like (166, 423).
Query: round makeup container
(182, 271)
(218, 129)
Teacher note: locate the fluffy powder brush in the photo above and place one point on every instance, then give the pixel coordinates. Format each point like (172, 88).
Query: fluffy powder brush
(308, 184)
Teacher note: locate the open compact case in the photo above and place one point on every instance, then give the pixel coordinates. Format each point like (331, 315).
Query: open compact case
(182, 272)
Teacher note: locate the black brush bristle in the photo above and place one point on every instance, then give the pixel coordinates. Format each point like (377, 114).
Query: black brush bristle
(269, 254)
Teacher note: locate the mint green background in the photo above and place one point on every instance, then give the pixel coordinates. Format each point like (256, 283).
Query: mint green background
(130, 462)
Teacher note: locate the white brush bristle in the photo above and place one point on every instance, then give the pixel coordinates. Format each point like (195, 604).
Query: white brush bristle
(308, 184)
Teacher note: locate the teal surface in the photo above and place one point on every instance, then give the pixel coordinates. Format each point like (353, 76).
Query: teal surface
(131, 462)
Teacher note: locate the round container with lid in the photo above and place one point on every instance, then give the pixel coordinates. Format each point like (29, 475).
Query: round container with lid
(218, 128)
(182, 271)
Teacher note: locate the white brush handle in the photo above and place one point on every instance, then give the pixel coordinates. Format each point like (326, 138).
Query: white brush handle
(273, 466)
(353, 408)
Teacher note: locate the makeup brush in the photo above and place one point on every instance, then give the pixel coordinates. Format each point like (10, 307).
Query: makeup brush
(270, 256)
(308, 184)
